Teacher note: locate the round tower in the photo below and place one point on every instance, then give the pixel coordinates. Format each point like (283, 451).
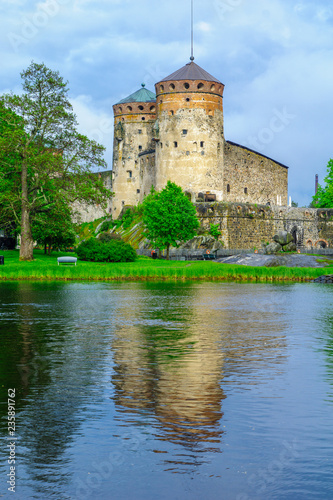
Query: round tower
(134, 119)
(191, 139)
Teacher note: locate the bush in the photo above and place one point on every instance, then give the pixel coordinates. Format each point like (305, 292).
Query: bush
(105, 226)
(95, 250)
(105, 237)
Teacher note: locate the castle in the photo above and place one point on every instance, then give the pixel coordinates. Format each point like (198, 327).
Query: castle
(177, 134)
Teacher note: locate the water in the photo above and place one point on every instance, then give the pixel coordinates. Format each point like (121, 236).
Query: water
(168, 391)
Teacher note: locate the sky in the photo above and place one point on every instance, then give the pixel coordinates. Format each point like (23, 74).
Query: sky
(274, 57)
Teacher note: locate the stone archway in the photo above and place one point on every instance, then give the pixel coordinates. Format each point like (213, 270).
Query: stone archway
(309, 244)
(321, 243)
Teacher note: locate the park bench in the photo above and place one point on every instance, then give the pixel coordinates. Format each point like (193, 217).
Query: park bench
(209, 256)
(67, 260)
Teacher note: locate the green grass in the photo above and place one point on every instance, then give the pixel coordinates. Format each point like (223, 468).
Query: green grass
(45, 267)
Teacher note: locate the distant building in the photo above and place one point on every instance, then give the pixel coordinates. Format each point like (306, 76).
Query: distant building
(177, 134)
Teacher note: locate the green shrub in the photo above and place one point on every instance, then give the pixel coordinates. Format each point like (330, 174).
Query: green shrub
(105, 226)
(105, 237)
(95, 250)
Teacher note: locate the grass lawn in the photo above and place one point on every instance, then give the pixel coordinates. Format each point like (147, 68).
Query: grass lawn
(45, 267)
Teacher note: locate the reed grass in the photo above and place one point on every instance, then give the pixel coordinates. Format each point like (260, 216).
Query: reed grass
(45, 267)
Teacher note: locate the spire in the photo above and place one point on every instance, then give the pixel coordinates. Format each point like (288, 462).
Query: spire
(192, 24)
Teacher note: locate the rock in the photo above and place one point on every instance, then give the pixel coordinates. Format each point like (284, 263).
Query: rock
(283, 238)
(290, 247)
(273, 248)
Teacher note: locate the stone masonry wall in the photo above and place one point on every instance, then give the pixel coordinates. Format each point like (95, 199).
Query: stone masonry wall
(248, 226)
(253, 178)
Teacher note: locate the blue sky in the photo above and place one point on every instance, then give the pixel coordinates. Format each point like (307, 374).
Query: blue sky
(274, 57)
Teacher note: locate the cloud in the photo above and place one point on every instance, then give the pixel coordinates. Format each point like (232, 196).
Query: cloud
(271, 56)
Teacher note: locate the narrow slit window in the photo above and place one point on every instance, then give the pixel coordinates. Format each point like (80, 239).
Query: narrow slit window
(175, 144)
(202, 144)
(228, 188)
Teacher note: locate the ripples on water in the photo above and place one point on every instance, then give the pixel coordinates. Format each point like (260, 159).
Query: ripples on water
(145, 391)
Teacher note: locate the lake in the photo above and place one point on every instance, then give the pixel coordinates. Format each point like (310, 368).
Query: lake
(163, 391)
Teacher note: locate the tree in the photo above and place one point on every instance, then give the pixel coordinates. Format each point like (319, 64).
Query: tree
(52, 160)
(54, 229)
(324, 196)
(169, 216)
(214, 231)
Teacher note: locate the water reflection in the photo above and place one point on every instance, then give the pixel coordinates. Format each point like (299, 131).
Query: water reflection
(173, 353)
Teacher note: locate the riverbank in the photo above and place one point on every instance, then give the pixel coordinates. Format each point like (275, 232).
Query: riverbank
(45, 267)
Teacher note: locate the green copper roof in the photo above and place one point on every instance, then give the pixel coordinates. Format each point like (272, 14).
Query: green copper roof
(142, 95)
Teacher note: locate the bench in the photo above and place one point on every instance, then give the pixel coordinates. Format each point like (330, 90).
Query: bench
(209, 256)
(67, 260)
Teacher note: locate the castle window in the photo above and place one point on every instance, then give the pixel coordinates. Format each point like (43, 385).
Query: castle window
(129, 108)
(202, 153)
(187, 99)
(202, 144)
(245, 190)
(143, 118)
(129, 173)
(175, 144)
(172, 86)
(161, 145)
(123, 203)
(184, 132)
(140, 148)
(212, 87)
(171, 113)
(140, 131)
(186, 85)
(152, 108)
(228, 188)
(187, 153)
(200, 85)
(210, 113)
(120, 110)
(161, 88)
(138, 191)
(141, 108)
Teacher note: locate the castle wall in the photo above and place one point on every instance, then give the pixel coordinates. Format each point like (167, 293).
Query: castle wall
(147, 172)
(253, 178)
(248, 226)
(133, 134)
(190, 147)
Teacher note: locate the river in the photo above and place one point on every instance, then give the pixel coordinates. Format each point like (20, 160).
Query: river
(166, 391)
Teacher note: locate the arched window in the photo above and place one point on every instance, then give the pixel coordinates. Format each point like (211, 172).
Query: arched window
(200, 85)
(228, 188)
(186, 86)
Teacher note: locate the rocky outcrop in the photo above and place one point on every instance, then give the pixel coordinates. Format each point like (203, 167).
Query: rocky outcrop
(282, 242)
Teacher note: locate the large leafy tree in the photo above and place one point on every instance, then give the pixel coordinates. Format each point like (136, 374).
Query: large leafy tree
(169, 216)
(52, 161)
(324, 196)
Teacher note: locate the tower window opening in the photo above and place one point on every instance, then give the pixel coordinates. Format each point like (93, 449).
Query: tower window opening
(202, 144)
(212, 87)
(161, 145)
(200, 85)
(186, 85)
(210, 113)
(228, 188)
(184, 132)
(172, 113)
(129, 108)
(245, 190)
(143, 118)
(140, 131)
(175, 144)
(187, 99)
(140, 148)
(187, 153)
(172, 86)
(161, 88)
(141, 108)
(129, 173)
(138, 191)
(152, 108)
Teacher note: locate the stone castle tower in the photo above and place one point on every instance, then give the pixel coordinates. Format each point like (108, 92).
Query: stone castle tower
(178, 135)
